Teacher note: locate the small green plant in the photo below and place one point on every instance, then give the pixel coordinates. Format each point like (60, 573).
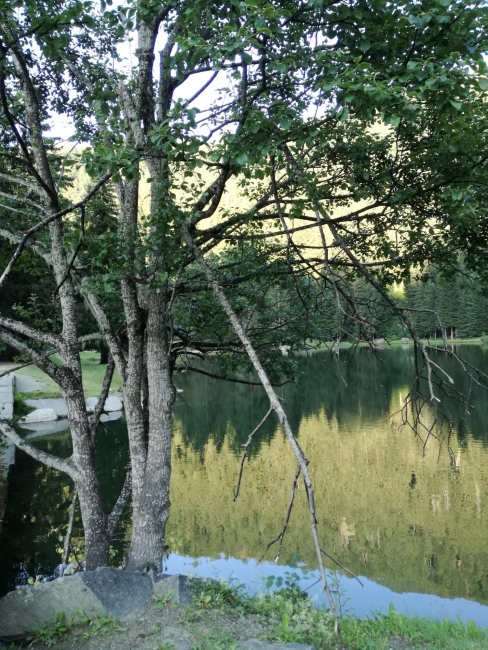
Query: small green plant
(160, 601)
(104, 625)
(215, 640)
(210, 594)
(294, 618)
(286, 633)
(20, 407)
(51, 634)
(339, 594)
(484, 339)
(291, 579)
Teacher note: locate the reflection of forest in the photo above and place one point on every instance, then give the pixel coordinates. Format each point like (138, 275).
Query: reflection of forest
(425, 535)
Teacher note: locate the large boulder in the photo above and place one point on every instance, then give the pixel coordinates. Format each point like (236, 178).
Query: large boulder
(56, 403)
(95, 593)
(40, 415)
(112, 403)
(7, 397)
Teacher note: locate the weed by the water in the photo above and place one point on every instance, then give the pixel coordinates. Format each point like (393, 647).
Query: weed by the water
(294, 619)
(369, 634)
(20, 407)
(51, 634)
(212, 594)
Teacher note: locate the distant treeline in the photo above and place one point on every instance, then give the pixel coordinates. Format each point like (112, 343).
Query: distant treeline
(459, 303)
(455, 308)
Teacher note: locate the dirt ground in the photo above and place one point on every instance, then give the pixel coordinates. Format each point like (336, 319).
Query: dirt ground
(173, 627)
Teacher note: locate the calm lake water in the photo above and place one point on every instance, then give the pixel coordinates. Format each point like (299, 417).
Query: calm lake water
(411, 522)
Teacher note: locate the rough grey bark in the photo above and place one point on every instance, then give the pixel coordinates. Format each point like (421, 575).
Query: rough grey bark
(150, 487)
(80, 466)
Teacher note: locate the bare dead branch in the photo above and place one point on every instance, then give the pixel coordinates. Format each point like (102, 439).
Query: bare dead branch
(275, 403)
(227, 378)
(246, 449)
(281, 534)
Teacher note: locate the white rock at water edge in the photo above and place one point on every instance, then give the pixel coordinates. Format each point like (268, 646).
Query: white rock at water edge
(112, 403)
(40, 415)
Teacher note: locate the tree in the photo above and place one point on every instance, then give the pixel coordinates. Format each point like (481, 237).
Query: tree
(353, 134)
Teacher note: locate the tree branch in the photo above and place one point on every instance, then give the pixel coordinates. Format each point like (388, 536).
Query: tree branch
(119, 507)
(37, 358)
(273, 399)
(227, 378)
(60, 464)
(48, 220)
(107, 381)
(31, 332)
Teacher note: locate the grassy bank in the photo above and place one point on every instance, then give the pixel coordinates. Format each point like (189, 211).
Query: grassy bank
(392, 343)
(93, 374)
(221, 616)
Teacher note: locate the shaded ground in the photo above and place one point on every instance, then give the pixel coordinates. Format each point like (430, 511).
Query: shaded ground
(173, 626)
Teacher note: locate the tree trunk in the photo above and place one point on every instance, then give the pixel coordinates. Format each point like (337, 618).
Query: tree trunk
(93, 517)
(103, 354)
(150, 488)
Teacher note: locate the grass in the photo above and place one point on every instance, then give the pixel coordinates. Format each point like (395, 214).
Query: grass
(289, 617)
(392, 343)
(295, 619)
(51, 635)
(93, 374)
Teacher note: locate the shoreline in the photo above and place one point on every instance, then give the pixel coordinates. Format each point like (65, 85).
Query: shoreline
(220, 616)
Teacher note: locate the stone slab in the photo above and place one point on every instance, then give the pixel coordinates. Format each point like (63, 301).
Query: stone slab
(40, 415)
(24, 610)
(120, 592)
(7, 380)
(6, 410)
(109, 417)
(112, 403)
(26, 384)
(257, 644)
(57, 404)
(177, 584)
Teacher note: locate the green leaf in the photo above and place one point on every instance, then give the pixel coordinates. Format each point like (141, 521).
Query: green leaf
(483, 83)
(457, 105)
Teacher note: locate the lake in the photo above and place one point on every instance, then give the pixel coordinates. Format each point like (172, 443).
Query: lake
(409, 521)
